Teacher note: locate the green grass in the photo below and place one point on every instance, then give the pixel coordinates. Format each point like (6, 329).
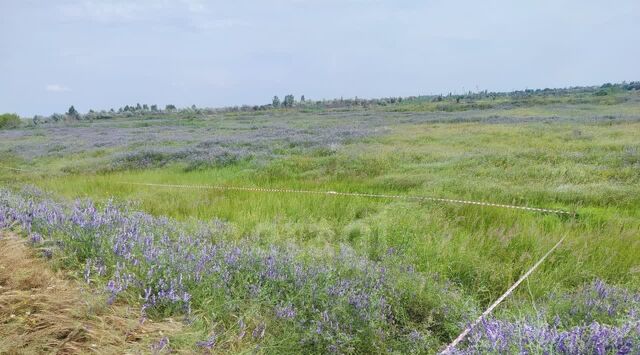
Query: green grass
(588, 166)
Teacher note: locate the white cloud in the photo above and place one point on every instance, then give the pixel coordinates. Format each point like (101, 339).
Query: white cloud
(56, 88)
(192, 14)
(212, 24)
(195, 6)
(105, 12)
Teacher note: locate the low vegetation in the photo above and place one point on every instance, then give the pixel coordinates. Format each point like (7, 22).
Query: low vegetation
(282, 272)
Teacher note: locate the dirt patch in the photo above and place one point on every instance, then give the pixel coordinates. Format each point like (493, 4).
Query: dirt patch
(42, 312)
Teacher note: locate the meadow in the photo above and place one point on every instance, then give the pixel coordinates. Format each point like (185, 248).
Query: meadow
(277, 272)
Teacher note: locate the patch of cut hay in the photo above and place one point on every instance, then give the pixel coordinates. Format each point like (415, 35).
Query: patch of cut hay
(42, 312)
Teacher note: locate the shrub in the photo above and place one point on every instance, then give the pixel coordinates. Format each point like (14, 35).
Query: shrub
(9, 120)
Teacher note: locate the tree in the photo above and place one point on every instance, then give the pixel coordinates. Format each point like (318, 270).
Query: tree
(634, 85)
(276, 101)
(138, 107)
(154, 108)
(302, 98)
(9, 120)
(73, 113)
(145, 107)
(288, 101)
(170, 107)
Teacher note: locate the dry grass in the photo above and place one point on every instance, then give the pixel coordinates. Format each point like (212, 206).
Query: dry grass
(42, 312)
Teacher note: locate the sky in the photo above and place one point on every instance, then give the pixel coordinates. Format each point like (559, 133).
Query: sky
(103, 54)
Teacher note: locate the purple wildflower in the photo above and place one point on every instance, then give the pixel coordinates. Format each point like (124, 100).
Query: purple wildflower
(285, 312)
(258, 332)
(35, 238)
(209, 343)
(161, 345)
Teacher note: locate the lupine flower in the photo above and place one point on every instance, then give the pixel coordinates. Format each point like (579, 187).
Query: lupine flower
(35, 238)
(161, 345)
(258, 332)
(285, 312)
(594, 302)
(328, 299)
(209, 343)
(48, 253)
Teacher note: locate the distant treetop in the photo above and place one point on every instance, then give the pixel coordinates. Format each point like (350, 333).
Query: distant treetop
(9, 120)
(482, 99)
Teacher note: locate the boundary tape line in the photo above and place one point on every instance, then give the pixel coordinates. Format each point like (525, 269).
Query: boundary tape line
(357, 194)
(14, 169)
(449, 349)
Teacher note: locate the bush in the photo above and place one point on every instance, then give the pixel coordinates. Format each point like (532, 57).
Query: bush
(9, 120)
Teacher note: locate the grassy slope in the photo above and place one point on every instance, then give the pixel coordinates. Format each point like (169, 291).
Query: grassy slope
(562, 158)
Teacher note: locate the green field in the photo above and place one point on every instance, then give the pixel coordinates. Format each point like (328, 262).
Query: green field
(579, 153)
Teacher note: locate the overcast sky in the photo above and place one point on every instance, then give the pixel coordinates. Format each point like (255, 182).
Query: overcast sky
(103, 54)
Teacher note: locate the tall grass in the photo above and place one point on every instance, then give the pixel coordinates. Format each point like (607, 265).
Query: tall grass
(589, 167)
(583, 157)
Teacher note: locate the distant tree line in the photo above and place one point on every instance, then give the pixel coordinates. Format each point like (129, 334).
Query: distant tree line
(289, 102)
(125, 111)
